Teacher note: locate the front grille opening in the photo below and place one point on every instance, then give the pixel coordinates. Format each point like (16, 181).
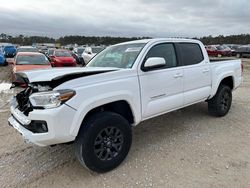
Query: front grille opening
(24, 104)
(37, 126)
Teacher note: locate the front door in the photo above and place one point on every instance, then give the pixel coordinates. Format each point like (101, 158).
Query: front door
(161, 88)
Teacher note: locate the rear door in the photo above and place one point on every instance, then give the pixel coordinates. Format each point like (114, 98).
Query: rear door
(197, 75)
(161, 88)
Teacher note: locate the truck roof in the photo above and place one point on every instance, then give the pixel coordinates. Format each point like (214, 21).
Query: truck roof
(161, 39)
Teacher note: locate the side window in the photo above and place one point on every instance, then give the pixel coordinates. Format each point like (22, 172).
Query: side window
(166, 51)
(190, 53)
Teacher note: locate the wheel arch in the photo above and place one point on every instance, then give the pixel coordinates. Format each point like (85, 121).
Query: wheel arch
(121, 106)
(226, 80)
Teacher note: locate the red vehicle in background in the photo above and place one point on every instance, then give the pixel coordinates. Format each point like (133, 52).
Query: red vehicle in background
(25, 61)
(62, 58)
(218, 51)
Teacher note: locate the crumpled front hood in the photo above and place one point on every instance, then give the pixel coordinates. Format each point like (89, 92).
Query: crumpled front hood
(47, 75)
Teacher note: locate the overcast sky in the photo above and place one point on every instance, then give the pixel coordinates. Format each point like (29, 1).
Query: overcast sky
(153, 18)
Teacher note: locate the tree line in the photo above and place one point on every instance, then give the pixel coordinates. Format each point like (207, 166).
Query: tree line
(80, 40)
(232, 39)
(107, 40)
(25, 40)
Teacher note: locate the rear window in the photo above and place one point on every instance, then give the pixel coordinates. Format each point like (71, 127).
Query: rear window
(62, 54)
(32, 60)
(190, 53)
(9, 48)
(27, 49)
(80, 50)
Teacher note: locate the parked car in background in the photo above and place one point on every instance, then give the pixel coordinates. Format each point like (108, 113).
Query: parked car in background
(43, 49)
(50, 51)
(27, 49)
(9, 51)
(28, 61)
(233, 48)
(243, 51)
(218, 51)
(62, 58)
(78, 61)
(2, 58)
(90, 52)
(79, 50)
(211, 50)
(77, 54)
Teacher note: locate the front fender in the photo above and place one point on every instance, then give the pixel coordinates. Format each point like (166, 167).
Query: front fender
(102, 99)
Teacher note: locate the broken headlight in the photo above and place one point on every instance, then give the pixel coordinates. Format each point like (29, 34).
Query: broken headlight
(50, 99)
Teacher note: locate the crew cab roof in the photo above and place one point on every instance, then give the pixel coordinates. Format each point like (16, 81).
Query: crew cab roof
(161, 39)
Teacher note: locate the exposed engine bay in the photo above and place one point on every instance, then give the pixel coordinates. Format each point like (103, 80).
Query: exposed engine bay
(22, 98)
(24, 104)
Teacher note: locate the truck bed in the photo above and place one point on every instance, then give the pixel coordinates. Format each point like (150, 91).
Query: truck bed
(214, 60)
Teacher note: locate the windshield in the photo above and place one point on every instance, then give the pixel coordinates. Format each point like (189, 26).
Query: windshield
(50, 52)
(80, 50)
(119, 56)
(32, 60)
(27, 50)
(62, 54)
(9, 48)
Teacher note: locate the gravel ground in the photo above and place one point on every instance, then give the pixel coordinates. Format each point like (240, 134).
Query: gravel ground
(185, 148)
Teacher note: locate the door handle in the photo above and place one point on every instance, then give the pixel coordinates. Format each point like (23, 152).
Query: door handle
(178, 75)
(205, 70)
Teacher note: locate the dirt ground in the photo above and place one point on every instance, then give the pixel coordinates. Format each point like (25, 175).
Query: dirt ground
(186, 148)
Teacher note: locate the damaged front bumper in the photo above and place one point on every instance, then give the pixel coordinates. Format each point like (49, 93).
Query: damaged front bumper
(58, 122)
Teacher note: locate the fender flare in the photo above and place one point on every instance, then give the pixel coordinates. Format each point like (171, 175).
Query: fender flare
(100, 100)
(218, 82)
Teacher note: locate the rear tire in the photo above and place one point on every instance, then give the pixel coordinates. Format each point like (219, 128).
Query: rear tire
(220, 104)
(103, 141)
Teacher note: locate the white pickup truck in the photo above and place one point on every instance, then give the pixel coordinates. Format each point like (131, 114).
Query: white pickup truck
(96, 106)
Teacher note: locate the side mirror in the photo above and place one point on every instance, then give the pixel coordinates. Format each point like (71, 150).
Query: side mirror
(153, 63)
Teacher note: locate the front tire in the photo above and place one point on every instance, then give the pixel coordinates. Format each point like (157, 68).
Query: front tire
(103, 141)
(220, 104)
